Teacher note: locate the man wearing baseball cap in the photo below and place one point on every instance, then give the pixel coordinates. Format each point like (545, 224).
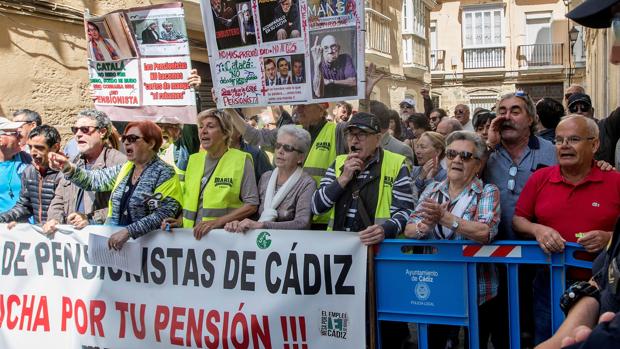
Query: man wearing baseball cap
(580, 103)
(584, 306)
(13, 162)
(362, 185)
(407, 107)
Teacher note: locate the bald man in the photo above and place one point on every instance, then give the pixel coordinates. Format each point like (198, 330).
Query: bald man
(334, 72)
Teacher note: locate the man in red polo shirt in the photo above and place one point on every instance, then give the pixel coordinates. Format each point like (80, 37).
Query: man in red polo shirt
(571, 202)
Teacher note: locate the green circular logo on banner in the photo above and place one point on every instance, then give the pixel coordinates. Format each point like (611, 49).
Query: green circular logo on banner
(263, 241)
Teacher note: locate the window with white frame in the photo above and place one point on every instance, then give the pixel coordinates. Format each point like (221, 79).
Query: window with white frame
(483, 26)
(433, 31)
(482, 100)
(414, 50)
(414, 32)
(414, 19)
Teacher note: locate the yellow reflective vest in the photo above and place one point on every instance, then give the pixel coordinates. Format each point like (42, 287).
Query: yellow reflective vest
(170, 188)
(222, 192)
(321, 155)
(391, 163)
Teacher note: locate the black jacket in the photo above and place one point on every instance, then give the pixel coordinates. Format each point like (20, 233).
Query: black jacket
(35, 196)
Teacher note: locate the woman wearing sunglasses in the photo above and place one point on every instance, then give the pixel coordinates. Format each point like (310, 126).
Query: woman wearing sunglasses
(144, 190)
(220, 185)
(286, 192)
(461, 208)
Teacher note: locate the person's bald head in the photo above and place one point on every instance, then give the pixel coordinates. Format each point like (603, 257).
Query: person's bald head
(331, 49)
(309, 114)
(449, 125)
(577, 141)
(461, 113)
(571, 90)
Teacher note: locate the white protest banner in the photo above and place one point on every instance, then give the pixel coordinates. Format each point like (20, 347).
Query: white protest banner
(262, 289)
(269, 52)
(139, 64)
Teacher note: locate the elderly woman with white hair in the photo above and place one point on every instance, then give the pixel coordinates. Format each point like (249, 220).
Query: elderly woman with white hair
(286, 192)
(461, 207)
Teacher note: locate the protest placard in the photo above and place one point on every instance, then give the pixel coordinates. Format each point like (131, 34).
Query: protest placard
(269, 52)
(122, 46)
(262, 289)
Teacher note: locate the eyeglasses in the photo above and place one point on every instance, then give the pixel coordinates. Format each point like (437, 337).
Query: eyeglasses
(571, 140)
(16, 134)
(575, 108)
(84, 129)
(406, 106)
(287, 148)
(332, 48)
(459, 111)
(130, 138)
(511, 180)
(361, 136)
(451, 154)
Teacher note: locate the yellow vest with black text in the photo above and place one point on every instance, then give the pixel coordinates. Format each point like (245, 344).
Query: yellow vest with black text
(222, 192)
(320, 157)
(391, 163)
(170, 188)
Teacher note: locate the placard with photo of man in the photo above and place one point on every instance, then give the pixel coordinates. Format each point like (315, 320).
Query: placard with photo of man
(334, 72)
(280, 20)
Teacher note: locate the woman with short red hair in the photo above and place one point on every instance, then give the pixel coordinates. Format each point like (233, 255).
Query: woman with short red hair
(145, 190)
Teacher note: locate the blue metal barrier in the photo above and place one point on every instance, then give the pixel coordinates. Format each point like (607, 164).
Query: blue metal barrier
(442, 287)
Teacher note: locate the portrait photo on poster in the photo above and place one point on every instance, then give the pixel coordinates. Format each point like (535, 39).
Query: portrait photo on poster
(333, 59)
(279, 19)
(284, 70)
(108, 40)
(234, 23)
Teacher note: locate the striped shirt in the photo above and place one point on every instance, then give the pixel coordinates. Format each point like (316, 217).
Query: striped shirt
(402, 199)
(484, 209)
(144, 218)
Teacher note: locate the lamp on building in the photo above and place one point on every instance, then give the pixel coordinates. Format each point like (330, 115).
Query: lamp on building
(573, 35)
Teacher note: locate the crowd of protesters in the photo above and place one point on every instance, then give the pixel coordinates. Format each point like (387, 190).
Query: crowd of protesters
(518, 170)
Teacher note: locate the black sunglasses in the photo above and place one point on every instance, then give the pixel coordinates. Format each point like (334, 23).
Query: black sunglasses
(287, 148)
(578, 106)
(130, 138)
(451, 154)
(84, 129)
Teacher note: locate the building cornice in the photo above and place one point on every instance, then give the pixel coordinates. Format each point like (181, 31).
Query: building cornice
(43, 9)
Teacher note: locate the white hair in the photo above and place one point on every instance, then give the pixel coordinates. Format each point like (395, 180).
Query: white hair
(302, 137)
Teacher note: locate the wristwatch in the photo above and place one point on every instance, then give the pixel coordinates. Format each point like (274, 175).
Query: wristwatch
(455, 224)
(575, 292)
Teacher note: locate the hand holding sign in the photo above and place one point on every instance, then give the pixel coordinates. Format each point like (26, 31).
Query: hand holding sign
(118, 239)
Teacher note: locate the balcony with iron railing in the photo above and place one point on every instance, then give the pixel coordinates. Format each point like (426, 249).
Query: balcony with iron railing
(484, 58)
(438, 60)
(378, 33)
(541, 55)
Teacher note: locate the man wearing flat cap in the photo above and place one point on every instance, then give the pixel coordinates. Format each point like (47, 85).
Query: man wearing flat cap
(367, 190)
